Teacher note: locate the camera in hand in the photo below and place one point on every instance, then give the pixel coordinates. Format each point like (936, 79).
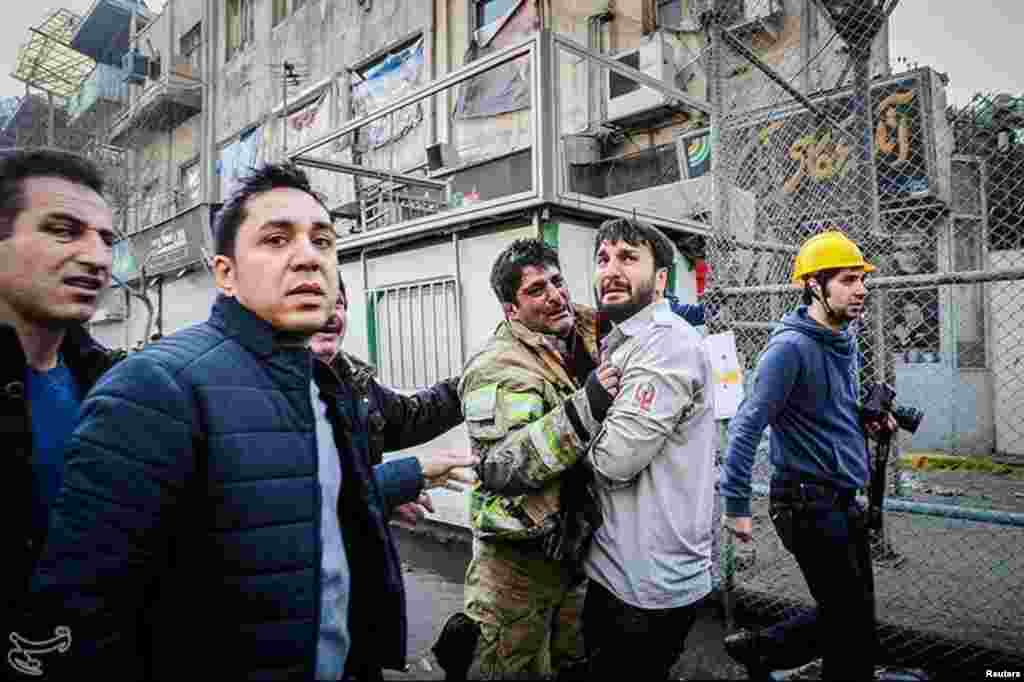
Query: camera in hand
(880, 402)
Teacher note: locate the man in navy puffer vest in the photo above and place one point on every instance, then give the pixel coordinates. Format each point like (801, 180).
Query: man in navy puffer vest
(219, 505)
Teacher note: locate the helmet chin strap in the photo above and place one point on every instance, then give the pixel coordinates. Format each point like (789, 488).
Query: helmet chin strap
(823, 299)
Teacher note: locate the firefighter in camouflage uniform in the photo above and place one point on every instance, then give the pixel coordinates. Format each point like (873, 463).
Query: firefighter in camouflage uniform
(533, 398)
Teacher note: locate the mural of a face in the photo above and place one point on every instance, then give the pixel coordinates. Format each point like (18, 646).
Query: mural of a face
(891, 118)
(907, 261)
(913, 315)
(908, 255)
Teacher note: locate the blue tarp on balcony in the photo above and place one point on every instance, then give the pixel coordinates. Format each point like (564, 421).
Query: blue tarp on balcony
(103, 33)
(106, 82)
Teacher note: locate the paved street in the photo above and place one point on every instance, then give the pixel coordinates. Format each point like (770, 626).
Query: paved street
(433, 578)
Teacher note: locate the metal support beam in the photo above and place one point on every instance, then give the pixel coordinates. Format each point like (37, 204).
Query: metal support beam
(365, 172)
(745, 52)
(774, 247)
(53, 119)
(640, 78)
(544, 118)
(489, 62)
(889, 283)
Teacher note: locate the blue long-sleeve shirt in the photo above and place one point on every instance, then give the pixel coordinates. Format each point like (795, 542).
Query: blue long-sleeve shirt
(691, 312)
(806, 390)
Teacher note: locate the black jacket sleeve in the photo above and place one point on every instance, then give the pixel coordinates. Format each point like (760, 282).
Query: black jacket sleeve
(399, 481)
(408, 421)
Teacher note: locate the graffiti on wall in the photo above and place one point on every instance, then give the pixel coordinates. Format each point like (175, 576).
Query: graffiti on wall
(800, 157)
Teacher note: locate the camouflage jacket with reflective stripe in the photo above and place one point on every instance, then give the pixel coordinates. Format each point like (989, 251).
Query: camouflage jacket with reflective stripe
(514, 392)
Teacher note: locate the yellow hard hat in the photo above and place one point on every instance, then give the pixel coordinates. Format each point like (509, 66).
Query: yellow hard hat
(827, 251)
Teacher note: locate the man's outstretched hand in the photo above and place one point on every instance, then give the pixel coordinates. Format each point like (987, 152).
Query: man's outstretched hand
(410, 513)
(740, 526)
(448, 469)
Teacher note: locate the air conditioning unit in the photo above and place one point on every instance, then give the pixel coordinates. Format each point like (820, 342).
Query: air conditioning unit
(135, 66)
(627, 96)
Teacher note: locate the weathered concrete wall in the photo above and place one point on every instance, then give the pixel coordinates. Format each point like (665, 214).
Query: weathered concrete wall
(185, 143)
(323, 38)
(800, 39)
(187, 13)
(187, 300)
(356, 341)
(159, 155)
(575, 252)
(425, 262)
(481, 312)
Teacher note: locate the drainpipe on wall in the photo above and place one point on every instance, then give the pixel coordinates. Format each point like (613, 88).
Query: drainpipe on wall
(210, 52)
(430, 37)
(159, 322)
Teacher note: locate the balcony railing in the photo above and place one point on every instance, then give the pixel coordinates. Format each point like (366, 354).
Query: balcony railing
(140, 215)
(163, 104)
(511, 125)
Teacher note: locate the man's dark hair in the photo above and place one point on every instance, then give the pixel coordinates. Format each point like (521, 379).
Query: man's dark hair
(822, 277)
(507, 271)
(18, 165)
(635, 233)
(259, 180)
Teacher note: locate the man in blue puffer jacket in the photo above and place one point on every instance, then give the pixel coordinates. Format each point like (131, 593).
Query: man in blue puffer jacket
(219, 505)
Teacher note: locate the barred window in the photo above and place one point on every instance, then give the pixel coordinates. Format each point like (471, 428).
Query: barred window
(240, 25)
(189, 49)
(190, 185)
(280, 11)
(670, 13)
(489, 11)
(414, 332)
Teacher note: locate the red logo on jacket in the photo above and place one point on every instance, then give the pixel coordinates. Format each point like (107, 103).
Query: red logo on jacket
(644, 396)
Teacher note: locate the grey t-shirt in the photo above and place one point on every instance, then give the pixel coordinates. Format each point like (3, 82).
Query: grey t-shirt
(333, 645)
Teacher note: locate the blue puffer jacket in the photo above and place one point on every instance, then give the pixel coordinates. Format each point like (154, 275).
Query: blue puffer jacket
(187, 533)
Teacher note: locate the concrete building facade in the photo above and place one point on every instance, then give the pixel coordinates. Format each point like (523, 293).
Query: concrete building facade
(501, 119)
(212, 93)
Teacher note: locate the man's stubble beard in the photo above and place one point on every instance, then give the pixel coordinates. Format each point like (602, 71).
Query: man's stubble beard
(620, 312)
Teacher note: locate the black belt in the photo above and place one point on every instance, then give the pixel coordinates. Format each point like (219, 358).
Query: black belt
(809, 489)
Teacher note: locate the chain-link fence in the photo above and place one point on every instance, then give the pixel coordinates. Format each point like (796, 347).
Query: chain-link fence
(817, 134)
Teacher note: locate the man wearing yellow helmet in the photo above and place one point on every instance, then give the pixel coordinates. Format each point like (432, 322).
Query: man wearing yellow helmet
(806, 389)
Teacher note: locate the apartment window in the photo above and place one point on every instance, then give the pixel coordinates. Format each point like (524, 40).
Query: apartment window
(240, 27)
(190, 185)
(489, 11)
(414, 332)
(189, 48)
(670, 13)
(383, 80)
(280, 11)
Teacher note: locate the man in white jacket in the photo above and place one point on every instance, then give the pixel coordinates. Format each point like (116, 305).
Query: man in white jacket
(650, 561)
